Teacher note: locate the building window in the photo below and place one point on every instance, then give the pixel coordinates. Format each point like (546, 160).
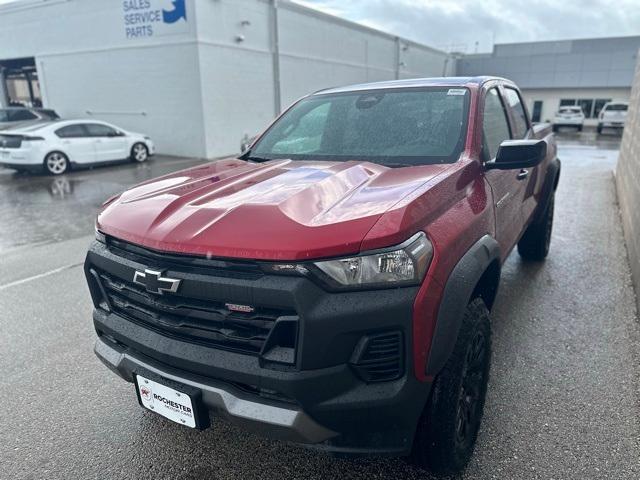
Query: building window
(567, 102)
(587, 106)
(536, 111)
(597, 106)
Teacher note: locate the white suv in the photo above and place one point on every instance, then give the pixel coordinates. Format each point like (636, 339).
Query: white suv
(568, 117)
(613, 115)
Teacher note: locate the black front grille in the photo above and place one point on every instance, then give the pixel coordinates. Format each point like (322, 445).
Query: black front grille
(187, 263)
(10, 141)
(196, 320)
(379, 358)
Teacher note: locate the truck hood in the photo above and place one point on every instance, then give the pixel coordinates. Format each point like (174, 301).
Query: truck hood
(278, 210)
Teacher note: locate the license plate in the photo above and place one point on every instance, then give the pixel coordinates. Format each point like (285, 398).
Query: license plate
(166, 401)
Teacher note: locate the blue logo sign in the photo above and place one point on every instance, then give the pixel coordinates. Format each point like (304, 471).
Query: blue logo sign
(148, 18)
(179, 11)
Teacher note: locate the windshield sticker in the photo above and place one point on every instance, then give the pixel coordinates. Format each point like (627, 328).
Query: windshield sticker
(457, 91)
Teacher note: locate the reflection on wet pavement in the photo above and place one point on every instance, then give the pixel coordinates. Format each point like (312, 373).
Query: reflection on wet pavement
(39, 208)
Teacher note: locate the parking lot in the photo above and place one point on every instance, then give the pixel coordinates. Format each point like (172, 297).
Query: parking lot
(563, 398)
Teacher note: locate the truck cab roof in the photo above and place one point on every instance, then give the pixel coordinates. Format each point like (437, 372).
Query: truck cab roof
(415, 83)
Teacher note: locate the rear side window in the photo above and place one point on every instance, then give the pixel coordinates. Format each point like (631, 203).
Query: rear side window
(495, 127)
(71, 131)
(514, 104)
(99, 130)
(21, 115)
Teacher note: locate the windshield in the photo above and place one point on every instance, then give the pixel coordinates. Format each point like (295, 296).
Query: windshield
(401, 127)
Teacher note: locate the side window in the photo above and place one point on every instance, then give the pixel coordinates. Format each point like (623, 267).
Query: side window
(520, 126)
(99, 130)
(21, 115)
(71, 131)
(495, 127)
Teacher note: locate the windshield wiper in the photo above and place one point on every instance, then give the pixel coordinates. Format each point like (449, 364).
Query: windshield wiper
(396, 165)
(257, 159)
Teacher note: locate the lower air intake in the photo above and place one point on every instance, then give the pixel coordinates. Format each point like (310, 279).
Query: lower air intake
(379, 358)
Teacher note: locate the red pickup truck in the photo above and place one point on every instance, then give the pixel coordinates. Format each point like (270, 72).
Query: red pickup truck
(332, 286)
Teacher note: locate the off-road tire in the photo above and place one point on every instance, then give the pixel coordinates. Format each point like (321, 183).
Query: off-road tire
(534, 244)
(447, 430)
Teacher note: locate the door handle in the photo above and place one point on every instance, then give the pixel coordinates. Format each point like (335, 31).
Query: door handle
(523, 174)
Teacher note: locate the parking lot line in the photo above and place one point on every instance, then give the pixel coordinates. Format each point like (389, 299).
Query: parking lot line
(40, 275)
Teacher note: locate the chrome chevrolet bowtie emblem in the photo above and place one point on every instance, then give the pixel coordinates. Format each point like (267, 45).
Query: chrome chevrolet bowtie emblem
(154, 282)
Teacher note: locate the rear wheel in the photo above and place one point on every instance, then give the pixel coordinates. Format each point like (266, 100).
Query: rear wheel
(447, 431)
(555, 128)
(599, 129)
(535, 243)
(579, 128)
(139, 152)
(56, 163)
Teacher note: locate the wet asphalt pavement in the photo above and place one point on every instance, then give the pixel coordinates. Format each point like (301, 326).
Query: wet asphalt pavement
(563, 399)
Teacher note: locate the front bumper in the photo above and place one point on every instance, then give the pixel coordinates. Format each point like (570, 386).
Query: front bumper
(285, 423)
(323, 399)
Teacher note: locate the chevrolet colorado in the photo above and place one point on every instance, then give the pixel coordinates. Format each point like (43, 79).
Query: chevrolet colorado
(331, 286)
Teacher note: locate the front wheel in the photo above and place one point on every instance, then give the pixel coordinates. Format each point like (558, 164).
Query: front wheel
(56, 163)
(535, 243)
(447, 431)
(139, 152)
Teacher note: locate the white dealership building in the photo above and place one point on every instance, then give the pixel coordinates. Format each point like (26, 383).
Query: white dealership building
(587, 72)
(195, 75)
(200, 75)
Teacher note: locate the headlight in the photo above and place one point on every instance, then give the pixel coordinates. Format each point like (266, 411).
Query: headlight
(402, 265)
(100, 236)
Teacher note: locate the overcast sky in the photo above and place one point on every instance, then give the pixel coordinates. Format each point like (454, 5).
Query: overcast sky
(459, 24)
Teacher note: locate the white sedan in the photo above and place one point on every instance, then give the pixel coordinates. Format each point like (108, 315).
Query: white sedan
(57, 146)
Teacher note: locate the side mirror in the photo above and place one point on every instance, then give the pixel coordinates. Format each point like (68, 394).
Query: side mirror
(514, 154)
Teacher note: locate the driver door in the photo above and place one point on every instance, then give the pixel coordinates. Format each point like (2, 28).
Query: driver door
(506, 186)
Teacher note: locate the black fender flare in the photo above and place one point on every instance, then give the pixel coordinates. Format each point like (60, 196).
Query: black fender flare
(456, 296)
(551, 180)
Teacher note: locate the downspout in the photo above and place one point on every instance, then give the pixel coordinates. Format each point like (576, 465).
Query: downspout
(275, 51)
(397, 58)
(4, 95)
